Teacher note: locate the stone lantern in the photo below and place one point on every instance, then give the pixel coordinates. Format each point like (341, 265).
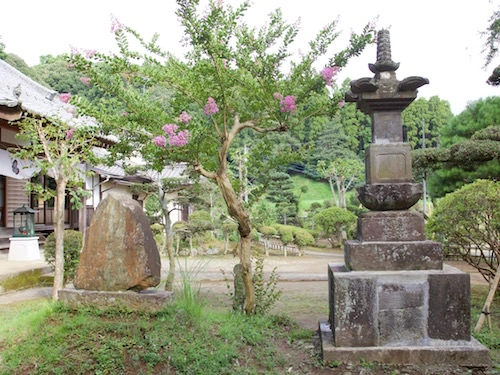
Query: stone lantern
(24, 242)
(24, 222)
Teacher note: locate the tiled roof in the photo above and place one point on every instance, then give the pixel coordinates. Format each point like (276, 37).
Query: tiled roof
(116, 171)
(18, 90)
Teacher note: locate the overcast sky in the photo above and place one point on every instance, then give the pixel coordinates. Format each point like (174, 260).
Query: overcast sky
(436, 39)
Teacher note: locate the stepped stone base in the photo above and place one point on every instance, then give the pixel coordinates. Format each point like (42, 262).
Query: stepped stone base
(146, 301)
(462, 356)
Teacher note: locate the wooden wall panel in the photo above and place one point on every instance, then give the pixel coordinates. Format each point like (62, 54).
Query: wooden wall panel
(16, 196)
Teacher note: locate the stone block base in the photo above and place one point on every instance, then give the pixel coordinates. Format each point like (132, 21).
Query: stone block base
(146, 301)
(391, 226)
(393, 255)
(461, 356)
(399, 308)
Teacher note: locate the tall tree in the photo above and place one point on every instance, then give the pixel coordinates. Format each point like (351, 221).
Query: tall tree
(463, 157)
(424, 119)
(281, 193)
(341, 174)
(232, 79)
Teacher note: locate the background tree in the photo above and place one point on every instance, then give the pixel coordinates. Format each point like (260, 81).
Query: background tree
(333, 222)
(490, 48)
(426, 118)
(281, 193)
(466, 153)
(160, 205)
(198, 224)
(59, 149)
(231, 80)
(467, 221)
(341, 175)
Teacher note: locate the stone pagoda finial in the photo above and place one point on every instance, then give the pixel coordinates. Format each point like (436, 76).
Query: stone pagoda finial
(384, 60)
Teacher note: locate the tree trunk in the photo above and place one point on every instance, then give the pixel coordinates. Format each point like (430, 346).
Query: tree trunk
(236, 210)
(332, 189)
(59, 235)
(167, 240)
(489, 300)
(167, 244)
(341, 193)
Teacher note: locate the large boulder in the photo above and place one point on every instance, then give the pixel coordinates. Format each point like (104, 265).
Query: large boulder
(119, 252)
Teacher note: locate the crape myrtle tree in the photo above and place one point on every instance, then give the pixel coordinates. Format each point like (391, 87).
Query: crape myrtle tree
(233, 77)
(59, 149)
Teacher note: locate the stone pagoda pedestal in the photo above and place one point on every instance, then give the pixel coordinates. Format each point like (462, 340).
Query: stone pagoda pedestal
(393, 301)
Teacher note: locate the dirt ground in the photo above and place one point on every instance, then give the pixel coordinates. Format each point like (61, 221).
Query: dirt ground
(303, 278)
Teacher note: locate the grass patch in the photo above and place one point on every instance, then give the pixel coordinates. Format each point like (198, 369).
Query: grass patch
(315, 191)
(489, 337)
(25, 280)
(53, 339)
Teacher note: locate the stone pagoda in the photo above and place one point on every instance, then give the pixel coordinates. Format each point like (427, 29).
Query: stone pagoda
(394, 301)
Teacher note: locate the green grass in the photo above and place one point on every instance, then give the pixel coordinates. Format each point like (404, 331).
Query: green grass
(40, 337)
(50, 339)
(317, 191)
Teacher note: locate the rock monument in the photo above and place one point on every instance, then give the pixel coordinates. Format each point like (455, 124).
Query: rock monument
(119, 260)
(393, 300)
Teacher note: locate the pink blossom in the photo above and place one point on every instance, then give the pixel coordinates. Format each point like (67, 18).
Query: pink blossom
(288, 104)
(71, 66)
(211, 107)
(75, 51)
(277, 96)
(89, 53)
(69, 133)
(85, 81)
(341, 104)
(116, 26)
(160, 141)
(185, 118)
(65, 97)
(125, 114)
(328, 73)
(179, 139)
(170, 129)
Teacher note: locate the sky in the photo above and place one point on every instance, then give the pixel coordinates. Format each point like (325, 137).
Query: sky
(436, 39)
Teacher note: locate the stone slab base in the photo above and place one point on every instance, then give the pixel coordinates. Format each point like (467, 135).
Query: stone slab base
(147, 301)
(465, 356)
(391, 226)
(398, 308)
(393, 255)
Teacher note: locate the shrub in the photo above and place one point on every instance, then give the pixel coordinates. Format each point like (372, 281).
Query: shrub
(266, 291)
(72, 248)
